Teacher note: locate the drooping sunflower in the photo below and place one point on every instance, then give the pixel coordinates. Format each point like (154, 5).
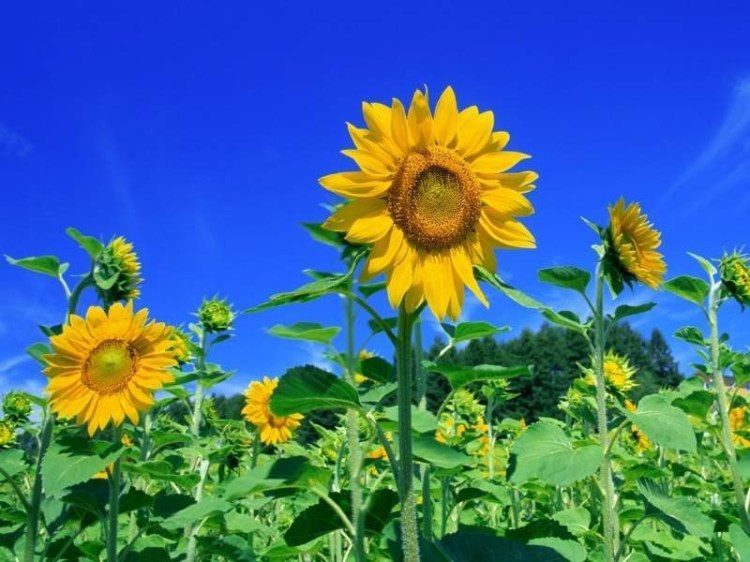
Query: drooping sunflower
(633, 242)
(618, 372)
(735, 276)
(119, 263)
(433, 196)
(107, 366)
(272, 429)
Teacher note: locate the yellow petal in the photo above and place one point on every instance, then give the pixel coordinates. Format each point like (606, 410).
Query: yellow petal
(387, 252)
(507, 202)
(399, 279)
(419, 120)
(356, 184)
(437, 278)
(371, 226)
(369, 162)
(399, 127)
(507, 233)
(463, 267)
(493, 163)
(446, 117)
(345, 216)
(475, 134)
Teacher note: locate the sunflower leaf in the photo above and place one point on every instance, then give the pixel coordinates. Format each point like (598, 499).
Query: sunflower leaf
(459, 376)
(567, 277)
(689, 288)
(306, 331)
(92, 246)
(304, 390)
(46, 265)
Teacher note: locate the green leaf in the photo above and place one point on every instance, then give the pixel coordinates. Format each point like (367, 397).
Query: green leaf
(740, 542)
(422, 421)
(306, 331)
(625, 310)
(577, 520)
(571, 550)
(322, 235)
(71, 462)
(377, 369)
(689, 288)
(427, 449)
(707, 266)
(11, 461)
(564, 318)
(459, 376)
(46, 265)
(678, 512)
(287, 472)
(92, 246)
(664, 424)
(302, 391)
(514, 294)
(371, 288)
(467, 331)
(38, 351)
(195, 513)
(544, 451)
(311, 291)
(472, 546)
(567, 277)
(376, 328)
(690, 334)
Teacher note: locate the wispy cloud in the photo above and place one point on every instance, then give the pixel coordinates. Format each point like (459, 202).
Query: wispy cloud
(10, 362)
(724, 163)
(13, 144)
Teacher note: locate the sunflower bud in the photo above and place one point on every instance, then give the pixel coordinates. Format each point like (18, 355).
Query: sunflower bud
(7, 434)
(117, 272)
(735, 277)
(180, 347)
(16, 407)
(216, 315)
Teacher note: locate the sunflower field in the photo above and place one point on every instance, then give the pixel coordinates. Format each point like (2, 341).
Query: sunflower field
(100, 468)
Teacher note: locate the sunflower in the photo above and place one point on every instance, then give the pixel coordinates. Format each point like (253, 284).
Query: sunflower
(735, 277)
(738, 423)
(107, 366)
(433, 196)
(7, 434)
(618, 372)
(179, 346)
(633, 242)
(272, 429)
(118, 269)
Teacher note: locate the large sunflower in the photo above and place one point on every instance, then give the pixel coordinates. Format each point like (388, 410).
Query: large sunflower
(272, 429)
(108, 365)
(434, 197)
(634, 241)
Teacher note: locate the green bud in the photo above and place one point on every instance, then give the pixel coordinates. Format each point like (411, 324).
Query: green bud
(735, 277)
(216, 315)
(16, 406)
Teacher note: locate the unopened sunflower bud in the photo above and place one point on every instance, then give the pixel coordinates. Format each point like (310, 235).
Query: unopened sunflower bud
(216, 315)
(16, 407)
(117, 272)
(735, 277)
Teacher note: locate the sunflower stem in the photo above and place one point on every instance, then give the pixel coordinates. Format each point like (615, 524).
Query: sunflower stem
(722, 401)
(32, 519)
(609, 518)
(409, 531)
(355, 452)
(75, 296)
(114, 502)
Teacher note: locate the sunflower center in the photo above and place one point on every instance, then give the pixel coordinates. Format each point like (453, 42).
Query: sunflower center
(435, 199)
(110, 366)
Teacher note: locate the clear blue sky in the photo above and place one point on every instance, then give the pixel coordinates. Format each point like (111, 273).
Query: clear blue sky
(198, 131)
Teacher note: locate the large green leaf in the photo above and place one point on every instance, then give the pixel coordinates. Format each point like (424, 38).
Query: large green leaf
(427, 449)
(46, 265)
(544, 451)
(625, 310)
(306, 331)
(11, 462)
(571, 550)
(467, 331)
(302, 390)
(71, 462)
(512, 293)
(664, 424)
(195, 513)
(468, 546)
(459, 376)
(576, 519)
(678, 512)
(377, 369)
(422, 421)
(567, 277)
(740, 542)
(92, 246)
(689, 288)
(288, 472)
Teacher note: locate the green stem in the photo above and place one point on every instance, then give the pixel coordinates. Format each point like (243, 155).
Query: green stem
(723, 403)
(75, 296)
(114, 503)
(611, 534)
(409, 531)
(426, 503)
(32, 521)
(421, 397)
(355, 451)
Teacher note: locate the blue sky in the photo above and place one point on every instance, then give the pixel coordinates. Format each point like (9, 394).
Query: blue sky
(198, 131)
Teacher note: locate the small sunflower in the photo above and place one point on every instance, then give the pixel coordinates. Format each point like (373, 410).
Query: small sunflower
(107, 366)
(272, 429)
(633, 241)
(738, 423)
(434, 197)
(618, 372)
(642, 443)
(118, 272)
(7, 434)
(735, 276)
